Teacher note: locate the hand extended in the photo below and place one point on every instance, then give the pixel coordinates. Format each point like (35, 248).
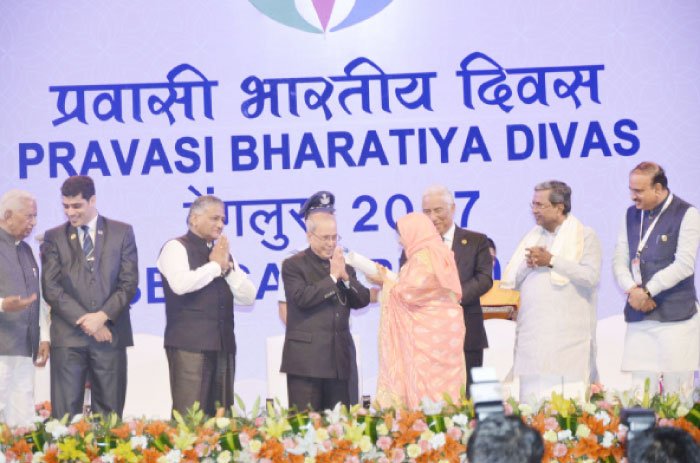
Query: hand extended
(103, 335)
(640, 300)
(376, 279)
(338, 269)
(220, 254)
(90, 323)
(42, 354)
(16, 303)
(538, 256)
(381, 274)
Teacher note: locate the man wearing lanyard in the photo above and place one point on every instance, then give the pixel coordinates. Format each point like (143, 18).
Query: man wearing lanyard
(654, 264)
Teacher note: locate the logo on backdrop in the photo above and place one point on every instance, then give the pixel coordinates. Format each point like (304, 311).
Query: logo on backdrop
(320, 16)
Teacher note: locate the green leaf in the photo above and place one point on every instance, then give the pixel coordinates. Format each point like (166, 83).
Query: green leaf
(240, 403)
(256, 408)
(178, 417)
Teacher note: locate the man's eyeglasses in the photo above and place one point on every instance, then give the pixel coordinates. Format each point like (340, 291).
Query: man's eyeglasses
(328, 238)
(539, 206)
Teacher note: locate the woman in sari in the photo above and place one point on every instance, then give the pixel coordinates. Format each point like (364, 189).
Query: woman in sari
(421, 334)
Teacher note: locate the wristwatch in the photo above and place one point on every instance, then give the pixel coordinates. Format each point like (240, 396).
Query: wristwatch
(646, 291)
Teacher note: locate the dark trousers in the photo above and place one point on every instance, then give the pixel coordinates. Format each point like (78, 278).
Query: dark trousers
(472, 358)
(106, 366)
(306, 393)
(204, 377)
(353, 382)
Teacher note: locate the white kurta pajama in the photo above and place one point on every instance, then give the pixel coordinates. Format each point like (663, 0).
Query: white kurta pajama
(668, 348)
(555, 333)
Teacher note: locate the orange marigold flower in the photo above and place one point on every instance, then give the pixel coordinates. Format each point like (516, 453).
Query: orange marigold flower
(20, 448)
(452, 449)
(122, 431)
(272, 449)
(51, 455)
(594, 424)
(587, 447)
(537, 423)
(150, 456)
(190, 456)
(139, 427)
(82, 427)
(157, 428)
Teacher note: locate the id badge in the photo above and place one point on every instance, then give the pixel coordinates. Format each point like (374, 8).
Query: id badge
(635, 265)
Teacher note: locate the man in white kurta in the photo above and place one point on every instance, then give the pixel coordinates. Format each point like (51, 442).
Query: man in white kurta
(557, 269)
(654, 264)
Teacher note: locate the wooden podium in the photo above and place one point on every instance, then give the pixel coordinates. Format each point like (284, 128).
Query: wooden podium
(500, 303)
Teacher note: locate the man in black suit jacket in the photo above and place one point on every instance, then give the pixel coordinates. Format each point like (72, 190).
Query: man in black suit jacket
(320, 289)
(89, 277)
(474, 264)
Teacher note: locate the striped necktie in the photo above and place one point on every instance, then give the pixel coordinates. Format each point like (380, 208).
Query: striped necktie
(88, 246)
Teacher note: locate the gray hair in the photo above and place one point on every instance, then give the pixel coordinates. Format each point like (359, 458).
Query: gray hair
(201, 204)
(441, 190)
(559, 193)
(12, 201)
(311, 223)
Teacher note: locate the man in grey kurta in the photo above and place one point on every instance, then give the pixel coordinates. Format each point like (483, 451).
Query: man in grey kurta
(557, 269)
(24, 336)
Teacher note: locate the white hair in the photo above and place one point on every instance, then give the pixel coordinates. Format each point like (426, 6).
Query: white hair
(311, 224)
(13, 201)
(201, 204)
(441, 190)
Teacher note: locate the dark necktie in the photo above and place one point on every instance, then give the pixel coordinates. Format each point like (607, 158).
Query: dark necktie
(88, 246)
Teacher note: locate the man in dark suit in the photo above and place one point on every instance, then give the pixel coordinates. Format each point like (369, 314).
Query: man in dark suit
(474, 264)
(320, 290)
(90, 276)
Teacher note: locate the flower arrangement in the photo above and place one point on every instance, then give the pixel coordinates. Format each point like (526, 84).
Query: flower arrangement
(436, 432)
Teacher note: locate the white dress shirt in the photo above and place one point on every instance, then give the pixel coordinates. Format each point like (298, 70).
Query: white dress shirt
(449, 236)
(92, 229)
(174, 265)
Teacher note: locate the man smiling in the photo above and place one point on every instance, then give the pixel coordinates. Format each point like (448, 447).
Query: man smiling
(654, 263)
(90, 276)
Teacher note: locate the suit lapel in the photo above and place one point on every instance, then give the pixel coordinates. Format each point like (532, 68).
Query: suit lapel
(457, 246)
(100, 235)
(74, 242)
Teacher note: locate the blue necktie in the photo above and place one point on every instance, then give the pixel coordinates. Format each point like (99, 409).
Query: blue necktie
(87, 243)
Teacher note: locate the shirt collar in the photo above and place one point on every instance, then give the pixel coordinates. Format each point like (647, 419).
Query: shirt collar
(92, 225)
(450, 233)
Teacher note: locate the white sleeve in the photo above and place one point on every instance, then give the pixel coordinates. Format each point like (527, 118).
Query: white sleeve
(174, 265)
(586, 272)
(44, 323)
(621, 259)
(686, 253)
(242, 288)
